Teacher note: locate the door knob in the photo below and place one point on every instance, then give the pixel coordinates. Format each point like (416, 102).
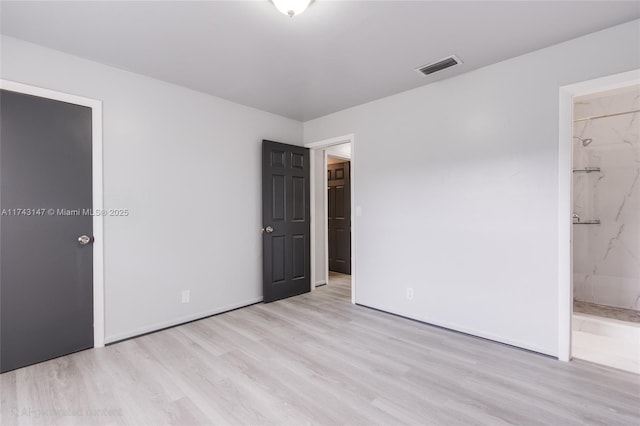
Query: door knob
(268, 229)
(83, 240)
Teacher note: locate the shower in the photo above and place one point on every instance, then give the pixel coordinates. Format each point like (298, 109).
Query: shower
(605, 246)
(585, 142)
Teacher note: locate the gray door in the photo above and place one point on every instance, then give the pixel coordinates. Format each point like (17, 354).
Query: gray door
(286, 220)
(46, 274)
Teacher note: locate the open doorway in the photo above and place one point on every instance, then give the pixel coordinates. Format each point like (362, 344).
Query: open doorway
(606, 227)
(599, 207)
(338, 216)
(333, 208)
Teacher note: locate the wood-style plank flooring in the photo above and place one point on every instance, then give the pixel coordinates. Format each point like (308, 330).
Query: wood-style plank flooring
(315, 359)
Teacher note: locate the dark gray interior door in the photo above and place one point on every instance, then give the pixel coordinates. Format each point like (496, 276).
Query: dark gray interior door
(46, 274)
(286, 221)
(339, 214)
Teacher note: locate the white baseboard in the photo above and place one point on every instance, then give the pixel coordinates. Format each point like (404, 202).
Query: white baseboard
(321, 282)
(170, 323)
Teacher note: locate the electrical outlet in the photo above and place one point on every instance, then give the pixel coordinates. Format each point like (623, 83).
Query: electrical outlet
(409, 293)
(186, 296)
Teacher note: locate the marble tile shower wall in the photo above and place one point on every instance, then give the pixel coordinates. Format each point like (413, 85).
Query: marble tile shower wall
(606, 257)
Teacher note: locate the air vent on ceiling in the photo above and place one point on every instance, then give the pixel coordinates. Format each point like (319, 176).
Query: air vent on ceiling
(447, 62)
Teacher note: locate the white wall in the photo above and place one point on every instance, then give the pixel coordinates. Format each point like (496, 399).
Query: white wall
(319, 190)
(187, 166)
(464, 208)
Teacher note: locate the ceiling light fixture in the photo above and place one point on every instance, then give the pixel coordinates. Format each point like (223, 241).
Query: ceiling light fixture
(291, 8)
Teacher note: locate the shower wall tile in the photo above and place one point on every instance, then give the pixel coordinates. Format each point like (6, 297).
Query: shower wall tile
(606, 257)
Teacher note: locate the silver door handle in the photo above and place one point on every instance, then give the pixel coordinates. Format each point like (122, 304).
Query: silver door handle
(268, 229)
(83, 240)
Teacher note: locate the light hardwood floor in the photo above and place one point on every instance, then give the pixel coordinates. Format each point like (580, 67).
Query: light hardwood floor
(315, 359)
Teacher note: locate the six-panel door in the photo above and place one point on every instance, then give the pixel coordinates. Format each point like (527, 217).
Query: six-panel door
(286, 221)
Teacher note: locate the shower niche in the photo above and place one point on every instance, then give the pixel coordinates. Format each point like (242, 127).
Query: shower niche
(586, 177)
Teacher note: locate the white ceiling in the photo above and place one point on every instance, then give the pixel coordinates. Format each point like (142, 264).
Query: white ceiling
(336, 55)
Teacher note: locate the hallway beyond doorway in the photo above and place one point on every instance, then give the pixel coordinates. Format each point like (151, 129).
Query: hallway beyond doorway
(342, 281)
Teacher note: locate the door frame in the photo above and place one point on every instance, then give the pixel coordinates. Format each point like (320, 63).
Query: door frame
(325, 163)
(313, 151)
(565, 195)
(97, 191)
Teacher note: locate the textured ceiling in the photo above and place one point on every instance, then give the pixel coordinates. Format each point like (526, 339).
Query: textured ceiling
(336, 55)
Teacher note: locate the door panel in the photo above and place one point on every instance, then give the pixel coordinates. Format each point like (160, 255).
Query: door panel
(299, 254)
(340, 209)
(278, 197)
(339, 213)
(299, 200)
(278, 256)
(46, 277)
(286, 221)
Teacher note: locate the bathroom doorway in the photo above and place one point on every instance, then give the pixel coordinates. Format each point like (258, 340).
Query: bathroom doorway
(606, 227)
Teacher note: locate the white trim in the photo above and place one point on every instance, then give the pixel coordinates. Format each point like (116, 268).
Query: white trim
(98, 194)
(312, 221)
(187, 318)
(321, 282)
(565, 259)
(565, 181)
(350, 138)
(325, 213)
